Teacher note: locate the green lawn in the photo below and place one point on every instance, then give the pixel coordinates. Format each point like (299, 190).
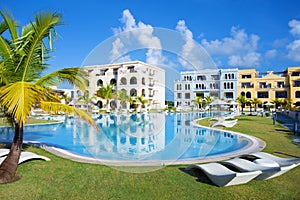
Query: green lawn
(65, 179)
(3, 121)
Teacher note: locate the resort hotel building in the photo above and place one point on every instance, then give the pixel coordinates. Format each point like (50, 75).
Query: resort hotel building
(229, 84)
(135, 78)
(216, 83)
(267, 86)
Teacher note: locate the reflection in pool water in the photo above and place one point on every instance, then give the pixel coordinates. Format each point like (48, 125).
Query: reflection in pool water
(135, 137)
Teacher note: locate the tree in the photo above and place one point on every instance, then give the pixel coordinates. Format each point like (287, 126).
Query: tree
(198, 102)
(142, 100)
(107, 93)
(277, 102)
(124, 98)
(242, 101)
(256, 102)
(208, 100)
(23, 60)
(86, 99)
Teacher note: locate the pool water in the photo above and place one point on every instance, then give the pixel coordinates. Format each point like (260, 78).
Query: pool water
(135, 137)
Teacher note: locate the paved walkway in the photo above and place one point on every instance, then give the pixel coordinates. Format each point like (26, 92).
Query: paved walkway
(289, 123)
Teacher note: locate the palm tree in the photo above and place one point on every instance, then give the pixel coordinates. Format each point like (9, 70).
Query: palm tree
(86, 99)
(142, 101)
(256, 102)
(124, 98)
(198, 102)
(242, 100)
(107, 93)
(208, 100)
(277, 102)
(22, 59)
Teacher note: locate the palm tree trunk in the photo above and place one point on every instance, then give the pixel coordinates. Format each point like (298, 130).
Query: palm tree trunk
(9, 166)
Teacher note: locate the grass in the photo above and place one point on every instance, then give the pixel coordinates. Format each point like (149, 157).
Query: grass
(64, 179)
(3, 121)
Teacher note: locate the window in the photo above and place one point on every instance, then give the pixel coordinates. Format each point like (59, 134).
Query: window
(232, 76)
(225, 86)
(225, 76)
(295, 73)
(179, 95)
(243, 93)
(246, 76)
(113, 81)
(248, 95)
(133, 80)
(262, 94)
(187, 95)
(297, 94)
(229, 95)
(123, 81)
(296, 83)
(280, 84)
(133, 92)
(246, 85)
(281, 94)
(143, 81)
(99, 82)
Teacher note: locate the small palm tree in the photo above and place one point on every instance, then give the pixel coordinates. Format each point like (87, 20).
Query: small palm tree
(22, 59)
(142, 101)
(256, 102)
(242, 101)
(107, 93)
(124, 98)
(198, 102)
(277, 102)
(86, 99)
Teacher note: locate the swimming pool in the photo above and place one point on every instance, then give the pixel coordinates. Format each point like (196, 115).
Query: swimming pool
(136, 138)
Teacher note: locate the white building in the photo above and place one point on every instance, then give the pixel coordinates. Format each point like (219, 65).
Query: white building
(216, 83)
(136, 78)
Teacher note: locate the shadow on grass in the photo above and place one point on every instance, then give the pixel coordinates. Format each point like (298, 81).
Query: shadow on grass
(198, 174)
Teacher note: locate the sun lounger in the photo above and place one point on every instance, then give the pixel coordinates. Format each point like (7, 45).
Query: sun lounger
(224, 123)
(269, 168)
(281, 161)
(222, 176)
(27, 156)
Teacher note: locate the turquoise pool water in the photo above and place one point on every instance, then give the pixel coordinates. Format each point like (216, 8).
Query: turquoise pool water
(135, 137)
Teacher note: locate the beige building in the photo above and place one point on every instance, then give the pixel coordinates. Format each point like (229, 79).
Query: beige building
(267, 86)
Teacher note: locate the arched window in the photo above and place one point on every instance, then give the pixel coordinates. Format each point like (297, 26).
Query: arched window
(123, 81)
(143, 81)
(99, 82)
(113, 81)
(229, 76)
(248, 95)
(133, 81)
(231, 84)
(232, 76)
(297, 94)
(133, 92)
(143, 92)
(225, 86)
(225, 76)
(243, 93)
(228, 85)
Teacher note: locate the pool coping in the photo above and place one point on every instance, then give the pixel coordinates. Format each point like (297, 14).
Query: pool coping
(255, 145)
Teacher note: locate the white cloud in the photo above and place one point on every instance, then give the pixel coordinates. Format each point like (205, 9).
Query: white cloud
(295, 27)
(192, 54)
(239, 49)
(137, 36)
(271, 53)
(294, 50)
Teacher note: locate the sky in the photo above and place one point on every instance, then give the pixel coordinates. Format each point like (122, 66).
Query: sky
(260, 34)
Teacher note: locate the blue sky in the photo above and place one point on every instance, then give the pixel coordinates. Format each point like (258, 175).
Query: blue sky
(261, 34)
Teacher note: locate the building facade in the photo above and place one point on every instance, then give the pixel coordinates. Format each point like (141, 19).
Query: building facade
(216, 83)
(136, 78)
(267, 86)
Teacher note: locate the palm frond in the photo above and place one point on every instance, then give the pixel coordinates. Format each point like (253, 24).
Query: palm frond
(12, 25)
(59, 107)
(19, 98)
(74, 76)
(44, 23)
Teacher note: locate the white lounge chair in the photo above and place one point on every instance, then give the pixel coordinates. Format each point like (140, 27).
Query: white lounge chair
(269, 168)
(222, 176)
(26, 156)
(281, 161)
(225, 123)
